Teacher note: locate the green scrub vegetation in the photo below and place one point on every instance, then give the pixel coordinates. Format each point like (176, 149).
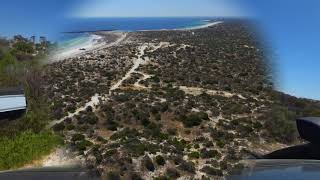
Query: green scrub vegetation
(26, 147)
(26, 138)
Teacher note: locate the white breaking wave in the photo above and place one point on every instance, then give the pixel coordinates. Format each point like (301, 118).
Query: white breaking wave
(202, 26)
(77, 46)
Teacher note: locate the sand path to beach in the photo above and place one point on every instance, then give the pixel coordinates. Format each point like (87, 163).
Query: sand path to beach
(97, 99)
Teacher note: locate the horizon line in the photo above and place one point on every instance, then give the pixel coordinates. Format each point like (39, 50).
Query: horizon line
(96, 17)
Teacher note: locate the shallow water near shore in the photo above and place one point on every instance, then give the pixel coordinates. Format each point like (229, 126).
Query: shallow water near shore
(134, 24)
(79, 33)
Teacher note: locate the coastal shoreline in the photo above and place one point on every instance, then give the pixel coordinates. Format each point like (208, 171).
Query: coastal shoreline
(100, 39)
(96, 41)
(202, 26)
(156, 80)
(209, 24)
(92, 43)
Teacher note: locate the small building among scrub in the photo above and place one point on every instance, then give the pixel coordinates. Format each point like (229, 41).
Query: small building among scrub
(13, 103)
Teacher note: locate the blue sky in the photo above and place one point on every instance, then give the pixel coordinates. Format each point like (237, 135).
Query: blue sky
(157, 8)
(38, 17)
(290, 26)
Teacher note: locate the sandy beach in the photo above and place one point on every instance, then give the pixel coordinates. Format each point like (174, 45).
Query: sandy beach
(209, 24)
(96, 41)
(92, 43)
(203, 26)
(103, 39)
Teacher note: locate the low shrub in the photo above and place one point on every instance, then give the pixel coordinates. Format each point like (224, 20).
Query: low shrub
(194, 155)
(194, 119)
(77, 137)
(172, 173)
(160, 160)
(26, 147)
(210, 154)
(113, 176)
(281, 125)
(212, 171)
(82, 145)
(148, 164)
(187, 166)
(58, 127)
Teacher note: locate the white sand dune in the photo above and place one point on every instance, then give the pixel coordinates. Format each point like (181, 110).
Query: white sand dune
(203, 26)
(189, 28)
(95, 42)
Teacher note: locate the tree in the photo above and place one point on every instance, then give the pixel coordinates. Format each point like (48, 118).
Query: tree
(7, 60)
(24, 47)
(281, 125)
(8, 69)
(194, 119)
(4, 45)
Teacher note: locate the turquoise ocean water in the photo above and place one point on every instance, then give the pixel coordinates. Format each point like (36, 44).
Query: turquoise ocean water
(77, 31)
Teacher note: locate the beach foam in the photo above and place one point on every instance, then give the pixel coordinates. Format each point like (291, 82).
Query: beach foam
(94, 42)
(202, 26)
(77, 46)
(82, 44)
